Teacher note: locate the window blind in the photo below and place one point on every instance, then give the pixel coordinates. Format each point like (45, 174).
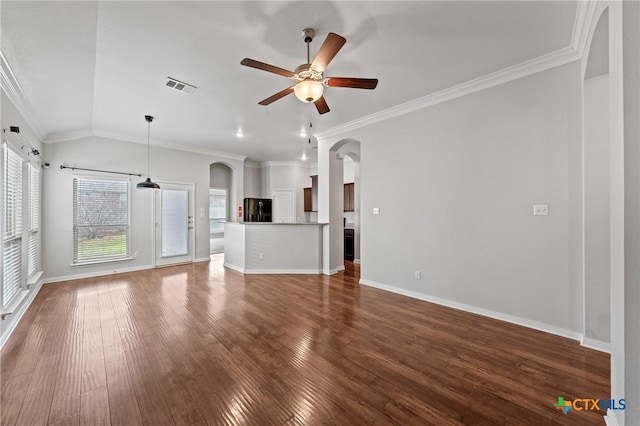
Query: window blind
(12, 238)
(33, 255)
(100, 219)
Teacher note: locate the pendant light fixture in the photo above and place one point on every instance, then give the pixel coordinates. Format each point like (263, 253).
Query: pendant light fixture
(148, 183)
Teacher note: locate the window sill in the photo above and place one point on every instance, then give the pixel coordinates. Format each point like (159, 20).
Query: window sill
(33, 279)
(14, 305)
(98, 262)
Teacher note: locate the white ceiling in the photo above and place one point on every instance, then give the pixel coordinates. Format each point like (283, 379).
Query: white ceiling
(99, 67)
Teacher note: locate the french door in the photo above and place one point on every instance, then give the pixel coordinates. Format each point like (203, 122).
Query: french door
(174, 223)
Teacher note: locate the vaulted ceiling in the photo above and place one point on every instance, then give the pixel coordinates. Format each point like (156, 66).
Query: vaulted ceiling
(96, 68)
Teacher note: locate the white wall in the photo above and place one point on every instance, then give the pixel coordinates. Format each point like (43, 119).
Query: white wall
(597, 201)
(457, 195)
(265, 181)
(286, 175)
(220, 176)
(252, 183)
(106, 154)
(617, 211)
(348, 174)
(631, 32)
(234, 245)
(285, 248)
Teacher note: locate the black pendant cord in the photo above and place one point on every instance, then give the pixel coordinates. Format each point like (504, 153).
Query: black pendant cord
(149, 149)
(148, 183)
(100, 171)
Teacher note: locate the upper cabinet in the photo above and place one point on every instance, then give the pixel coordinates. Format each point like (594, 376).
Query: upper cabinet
(308, 199)
(311, 196)
(349, 200)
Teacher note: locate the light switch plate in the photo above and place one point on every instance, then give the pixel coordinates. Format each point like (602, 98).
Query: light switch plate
(376, 210)
(541, 210)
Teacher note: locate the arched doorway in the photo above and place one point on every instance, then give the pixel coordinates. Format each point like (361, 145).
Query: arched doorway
(220, 184)
(332, 199)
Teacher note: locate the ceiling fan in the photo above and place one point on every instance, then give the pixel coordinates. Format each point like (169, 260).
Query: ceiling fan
(309, 79)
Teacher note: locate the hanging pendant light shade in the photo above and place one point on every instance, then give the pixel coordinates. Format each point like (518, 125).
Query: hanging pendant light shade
(148, 183)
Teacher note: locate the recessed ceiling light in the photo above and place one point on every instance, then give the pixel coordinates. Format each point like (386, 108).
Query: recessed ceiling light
(239, 134)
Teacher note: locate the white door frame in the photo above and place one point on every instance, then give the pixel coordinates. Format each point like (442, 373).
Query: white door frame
(155, 222)
(291, 192)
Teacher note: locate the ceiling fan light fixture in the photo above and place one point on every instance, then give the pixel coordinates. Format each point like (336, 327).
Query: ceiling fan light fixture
(309, 90)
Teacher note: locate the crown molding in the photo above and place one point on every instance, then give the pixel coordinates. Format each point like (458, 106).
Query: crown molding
(524, 69)
(285, 163)
(251, 164)
(11, 86)
(584, 15)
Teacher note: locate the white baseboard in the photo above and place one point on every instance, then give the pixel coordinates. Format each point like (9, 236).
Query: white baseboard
(283, 271)
(17, 315)
(95, 274)
(332, 271)
(272, 271)
(595, 344)
(234, 267)
(536, 325)
(611, 419)
(111, 272)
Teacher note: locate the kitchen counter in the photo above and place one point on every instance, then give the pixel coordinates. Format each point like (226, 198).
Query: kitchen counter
(282, 223)
(273, 248)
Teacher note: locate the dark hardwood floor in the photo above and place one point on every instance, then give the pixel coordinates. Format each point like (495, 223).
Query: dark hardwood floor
(198, 344)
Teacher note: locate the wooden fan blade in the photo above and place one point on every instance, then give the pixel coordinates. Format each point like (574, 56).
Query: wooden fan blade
(321, 105)
(280, 94)
(355, 83)
(266, 67)
(331, 45)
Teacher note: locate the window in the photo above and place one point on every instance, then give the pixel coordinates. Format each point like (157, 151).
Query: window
(12, 235)
(100, 220)
(217, 210)
(33, 255)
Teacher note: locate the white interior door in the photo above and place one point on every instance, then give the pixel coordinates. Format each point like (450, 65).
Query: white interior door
(284, 206)
(174, 223)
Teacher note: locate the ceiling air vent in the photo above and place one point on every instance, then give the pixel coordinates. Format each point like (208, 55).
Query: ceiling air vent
(180, 85)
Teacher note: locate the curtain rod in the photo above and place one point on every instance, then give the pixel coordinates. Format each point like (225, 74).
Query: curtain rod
(101, 171)
(32, 150)
(16, 130)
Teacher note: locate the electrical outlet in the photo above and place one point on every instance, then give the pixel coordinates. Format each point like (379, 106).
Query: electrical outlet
(261, 256)
(418, 274)
(135, 254)
(541, 210)
(376, 210)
